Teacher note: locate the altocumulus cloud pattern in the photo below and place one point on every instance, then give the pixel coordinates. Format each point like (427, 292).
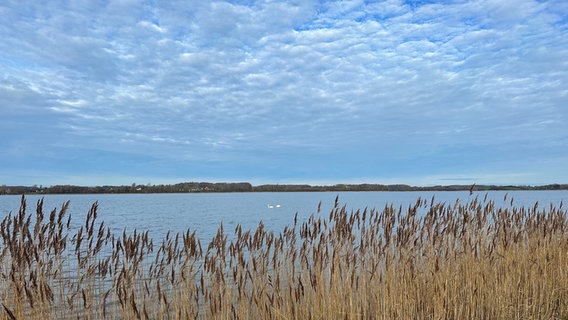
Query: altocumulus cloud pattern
(418, 92)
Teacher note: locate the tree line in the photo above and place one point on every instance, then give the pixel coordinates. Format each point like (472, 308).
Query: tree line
(200, 187)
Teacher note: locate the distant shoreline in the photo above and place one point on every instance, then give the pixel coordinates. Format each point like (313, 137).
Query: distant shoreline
(225, 187)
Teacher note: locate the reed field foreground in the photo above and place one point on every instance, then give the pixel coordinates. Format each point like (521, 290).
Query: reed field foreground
(432, 260)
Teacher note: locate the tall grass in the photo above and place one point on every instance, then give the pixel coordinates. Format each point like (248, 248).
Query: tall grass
(429, 261)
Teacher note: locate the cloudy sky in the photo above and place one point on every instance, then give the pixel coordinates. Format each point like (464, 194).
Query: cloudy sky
(321, 92)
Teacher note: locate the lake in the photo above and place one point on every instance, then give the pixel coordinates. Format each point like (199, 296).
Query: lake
(204, 212)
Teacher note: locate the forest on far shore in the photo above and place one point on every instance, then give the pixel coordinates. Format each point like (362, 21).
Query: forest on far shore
(200, 187)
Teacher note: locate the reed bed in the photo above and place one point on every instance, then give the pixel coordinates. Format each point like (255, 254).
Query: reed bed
(431, 260)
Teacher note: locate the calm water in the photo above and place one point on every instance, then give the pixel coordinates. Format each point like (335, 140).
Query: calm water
(203, 213)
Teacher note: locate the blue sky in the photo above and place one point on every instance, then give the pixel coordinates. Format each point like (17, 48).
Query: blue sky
(319, 92)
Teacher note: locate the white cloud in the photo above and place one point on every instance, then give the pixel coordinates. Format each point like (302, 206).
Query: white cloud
(305, 78)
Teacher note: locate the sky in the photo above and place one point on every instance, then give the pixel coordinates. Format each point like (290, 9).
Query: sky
(420, 92)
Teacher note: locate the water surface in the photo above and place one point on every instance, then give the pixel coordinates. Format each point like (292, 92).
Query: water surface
(204, 212)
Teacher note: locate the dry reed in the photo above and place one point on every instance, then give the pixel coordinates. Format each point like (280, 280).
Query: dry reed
(432, 260)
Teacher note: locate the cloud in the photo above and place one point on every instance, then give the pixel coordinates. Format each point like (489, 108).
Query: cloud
(235, 83)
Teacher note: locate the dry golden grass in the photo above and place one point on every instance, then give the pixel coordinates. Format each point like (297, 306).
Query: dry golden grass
(430, 261)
